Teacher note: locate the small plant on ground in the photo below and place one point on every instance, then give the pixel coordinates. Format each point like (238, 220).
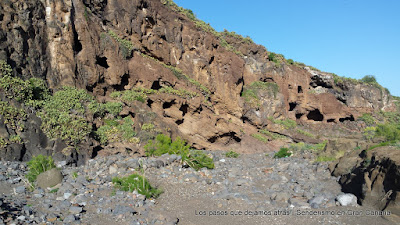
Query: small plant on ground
(283, 153)
(38, 165)
(232, 154)
(164, 145)
(55, 190)
(138, 183)
(75, 175)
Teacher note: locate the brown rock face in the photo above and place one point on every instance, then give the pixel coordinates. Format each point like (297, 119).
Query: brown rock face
(373, 177)
(108, 45)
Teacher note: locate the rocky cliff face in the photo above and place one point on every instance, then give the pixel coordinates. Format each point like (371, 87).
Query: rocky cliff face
(114, 45)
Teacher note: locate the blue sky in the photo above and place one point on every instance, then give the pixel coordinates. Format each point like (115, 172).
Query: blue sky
(351, 38)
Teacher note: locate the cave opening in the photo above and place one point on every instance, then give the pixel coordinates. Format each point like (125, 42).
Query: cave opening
(156, 85)
(349, 118)
(149, 102)
(292, 106)
(184, 109)
(299, 115)
(299, 89)
(102, 61)
(124, 82)
(315, 115)
(167, 105)
(331, 120)
(179, 122)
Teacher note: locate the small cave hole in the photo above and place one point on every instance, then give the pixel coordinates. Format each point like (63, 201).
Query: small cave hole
(179, 122)
(299, 89)
(349, 118)
(102, 61)
(211, 60)
(330, 120)
(315, 115)
(240, 81)
(143, 5)
(156, 85)
(290, 86)
(150, 20)
(292, 106)
(149, 102)
(184, 109)
(96, 151)
(167, 105)
(199, 109)
(124, 82)
(299, 115)
(77, 47)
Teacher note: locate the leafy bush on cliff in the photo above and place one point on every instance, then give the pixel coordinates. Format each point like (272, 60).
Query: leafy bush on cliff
(117, 131)
(251, 92)
(63, 115)
(13, 117)
(164, 145)
(390, 131)
(368, 119)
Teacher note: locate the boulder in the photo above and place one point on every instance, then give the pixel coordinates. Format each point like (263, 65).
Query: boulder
(49, 178)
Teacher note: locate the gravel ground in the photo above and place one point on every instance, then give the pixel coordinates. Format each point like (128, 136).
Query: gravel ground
(250, 189)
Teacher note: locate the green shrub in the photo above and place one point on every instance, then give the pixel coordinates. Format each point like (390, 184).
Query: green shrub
(148, 126)
(390, 131)
(15, 139)
(301, 146)
(113, 107)
(38, 165)
(274, 136)
(164, 145)
(138, 183)
(260, 137)
(125, 46)
(232, 154)
(3, 142)
(197, 159)
(368, 119)
(63, 115)
(117, 131)
(286, 123)
(251, 92)
(370, 79)
(32, 91)
(290, 61)
(325, 159)
(13, 116)
(283, 153)
(181, 92)
(369, 133)
(303, 132)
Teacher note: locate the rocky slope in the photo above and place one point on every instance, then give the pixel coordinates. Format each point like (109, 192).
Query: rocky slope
(246, 189)
(104, 46)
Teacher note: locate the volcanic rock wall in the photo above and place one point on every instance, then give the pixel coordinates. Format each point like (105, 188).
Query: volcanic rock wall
(108, 45)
